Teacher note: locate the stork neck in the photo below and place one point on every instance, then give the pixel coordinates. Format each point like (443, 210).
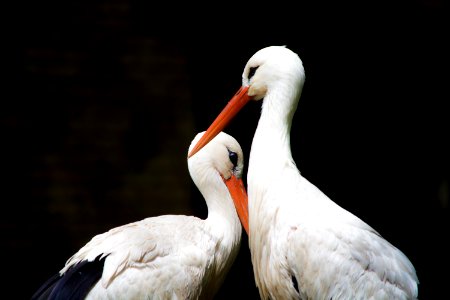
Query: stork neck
(271, 144)
(222, 216)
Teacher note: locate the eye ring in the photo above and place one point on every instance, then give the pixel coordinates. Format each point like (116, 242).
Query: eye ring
(252, 72)
(233, 157)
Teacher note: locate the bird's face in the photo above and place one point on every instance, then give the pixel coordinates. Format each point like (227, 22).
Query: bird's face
(223, 154)
(266, 68)
(253, 77)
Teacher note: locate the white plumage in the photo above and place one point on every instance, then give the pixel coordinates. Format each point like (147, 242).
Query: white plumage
(172, 256)
(303, 245)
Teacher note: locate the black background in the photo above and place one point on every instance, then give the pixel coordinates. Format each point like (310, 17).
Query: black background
(102, 98)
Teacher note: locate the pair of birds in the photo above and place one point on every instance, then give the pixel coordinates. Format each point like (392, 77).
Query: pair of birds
(303, 245)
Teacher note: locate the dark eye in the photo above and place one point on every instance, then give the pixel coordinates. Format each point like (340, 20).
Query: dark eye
(252, 72)
(233, 157)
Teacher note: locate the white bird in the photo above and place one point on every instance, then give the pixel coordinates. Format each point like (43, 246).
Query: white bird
(303, 245)
(169, 256)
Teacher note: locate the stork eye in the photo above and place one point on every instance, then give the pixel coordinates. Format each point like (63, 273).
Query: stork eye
(233, 157)
(251, 72)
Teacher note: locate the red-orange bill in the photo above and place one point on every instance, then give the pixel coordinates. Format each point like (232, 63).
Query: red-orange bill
(233, 107)
(240, 199)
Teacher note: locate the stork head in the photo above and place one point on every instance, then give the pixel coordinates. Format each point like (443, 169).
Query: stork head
(270, 70)
(220, 162)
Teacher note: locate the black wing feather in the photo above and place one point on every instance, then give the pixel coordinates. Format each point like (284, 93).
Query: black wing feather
(74, 284)
(44, 291)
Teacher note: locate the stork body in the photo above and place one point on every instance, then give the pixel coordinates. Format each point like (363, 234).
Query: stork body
(303, 245)
(170, 256)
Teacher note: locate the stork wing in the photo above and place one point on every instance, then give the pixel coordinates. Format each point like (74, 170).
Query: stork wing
(155, 256)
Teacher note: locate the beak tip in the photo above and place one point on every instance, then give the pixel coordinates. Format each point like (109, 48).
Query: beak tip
(196, 148)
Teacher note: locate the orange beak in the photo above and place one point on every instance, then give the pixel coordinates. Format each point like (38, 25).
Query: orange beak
(233, 107)
(239, 195)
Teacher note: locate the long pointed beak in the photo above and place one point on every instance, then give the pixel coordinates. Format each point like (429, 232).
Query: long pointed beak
(233, 107)
(240, 199)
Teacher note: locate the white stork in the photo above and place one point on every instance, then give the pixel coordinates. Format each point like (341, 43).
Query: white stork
(303, 245)
(169, 256)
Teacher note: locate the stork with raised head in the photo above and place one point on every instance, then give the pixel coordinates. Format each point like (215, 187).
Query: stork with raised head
(303, 245)
(169, 256)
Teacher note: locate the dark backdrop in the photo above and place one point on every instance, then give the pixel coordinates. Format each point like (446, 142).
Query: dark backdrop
(102, 98)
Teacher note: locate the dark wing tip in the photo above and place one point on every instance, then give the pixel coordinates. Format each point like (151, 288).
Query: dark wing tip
(44, 291)
(74, 284)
